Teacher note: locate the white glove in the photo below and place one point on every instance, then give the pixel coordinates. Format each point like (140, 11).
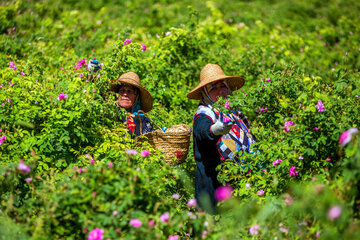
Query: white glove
(220, 128)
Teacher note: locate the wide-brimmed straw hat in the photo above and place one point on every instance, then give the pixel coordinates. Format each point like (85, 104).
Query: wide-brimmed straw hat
(212, 73)
(133, 79)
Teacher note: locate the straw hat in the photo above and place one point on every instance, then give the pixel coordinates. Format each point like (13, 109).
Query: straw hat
(212, 73)
(134, 80)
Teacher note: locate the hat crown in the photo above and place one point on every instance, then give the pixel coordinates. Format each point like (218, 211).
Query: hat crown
(133, 77)
(211, 72)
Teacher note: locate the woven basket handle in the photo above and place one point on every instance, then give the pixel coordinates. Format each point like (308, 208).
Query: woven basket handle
(141, 111)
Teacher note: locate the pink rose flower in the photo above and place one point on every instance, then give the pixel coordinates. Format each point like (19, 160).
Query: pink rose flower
(28, 179)
(176, 196)
(334, 212)
(62, 96)
(289, 123)
(223, 193)
(292, 172)
(277, 161)
(96, 234)
(143, 47)
(151, 223)
(22, 73)
(346, 136)
(173, 237)
(23, 168)
(320, 107)
(110, 164)
(191, 203)
(131, 152)
(92, 161)
(127, 41)
(145, 153)
(260, 192)
(135, 223)
(254, 229)
(328, 159)
(227, 105)
(164, 217)
(3, 138)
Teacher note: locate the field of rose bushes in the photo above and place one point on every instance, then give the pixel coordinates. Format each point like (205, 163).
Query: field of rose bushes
(70, 170)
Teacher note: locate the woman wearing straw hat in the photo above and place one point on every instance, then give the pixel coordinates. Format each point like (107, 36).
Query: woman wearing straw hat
(216, 136)
(133, 98)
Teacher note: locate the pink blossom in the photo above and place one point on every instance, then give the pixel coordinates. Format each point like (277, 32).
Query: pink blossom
(110, 164)
(191, 203)
(292, 172)
(345, 137)
(23, 168)
(151, 223)
(334, 212)
(317, 234)
(145, 153)
(131, 152)
(29, 179)
(94, 194)
(22, 73)
(96, 234)
(288, 200)
(164, 217)
(80, 170)
(254, 229)
(223, 193)
(3, 138)
(227, 105)
(135, 223)
(260, 192)
(316, 128)
(85, 229)
(320, 106)
(127, 41)
(268, 79)
(62, 96)
(92, 161)
(289, 123)
(176, 196)
(143, 47)
(173, 237)
(80, 64)
(226, 119)
(277, 161)
(114, 213)
(301, 157)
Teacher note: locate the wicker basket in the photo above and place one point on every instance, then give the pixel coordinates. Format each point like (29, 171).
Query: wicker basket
(174, 142)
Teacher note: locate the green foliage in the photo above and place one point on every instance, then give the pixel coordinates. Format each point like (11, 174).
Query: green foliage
(291, 53)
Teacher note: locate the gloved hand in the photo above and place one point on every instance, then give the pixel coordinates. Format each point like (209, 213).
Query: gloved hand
(93, 65)
(221, 127)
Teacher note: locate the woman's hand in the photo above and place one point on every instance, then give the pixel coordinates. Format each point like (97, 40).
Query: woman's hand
(221, 127)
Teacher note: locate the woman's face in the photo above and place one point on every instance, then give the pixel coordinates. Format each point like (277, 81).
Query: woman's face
(219, 89)
(127, 97)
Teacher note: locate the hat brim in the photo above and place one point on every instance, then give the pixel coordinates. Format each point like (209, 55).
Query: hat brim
(146, 100)
(234, 83)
